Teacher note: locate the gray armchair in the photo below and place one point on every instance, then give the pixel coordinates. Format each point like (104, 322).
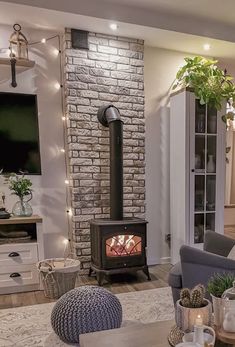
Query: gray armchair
(198, 266)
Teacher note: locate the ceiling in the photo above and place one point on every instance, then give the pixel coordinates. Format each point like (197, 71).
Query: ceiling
(212, 18)
(182, 25)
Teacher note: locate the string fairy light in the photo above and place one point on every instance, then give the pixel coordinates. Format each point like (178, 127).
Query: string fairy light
(59, 86)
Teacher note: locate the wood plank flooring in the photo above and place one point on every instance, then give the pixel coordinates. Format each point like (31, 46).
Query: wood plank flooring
(117, 284)
(229, 230)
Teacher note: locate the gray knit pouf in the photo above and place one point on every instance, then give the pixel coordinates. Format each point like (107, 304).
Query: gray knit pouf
(84, 310)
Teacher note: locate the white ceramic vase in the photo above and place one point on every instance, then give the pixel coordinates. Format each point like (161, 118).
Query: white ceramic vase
(210, 164)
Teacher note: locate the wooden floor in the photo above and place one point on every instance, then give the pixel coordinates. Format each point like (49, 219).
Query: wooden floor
(229, 230)
(117, 284)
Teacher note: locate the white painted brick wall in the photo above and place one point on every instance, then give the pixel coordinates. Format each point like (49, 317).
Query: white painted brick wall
(111, 71)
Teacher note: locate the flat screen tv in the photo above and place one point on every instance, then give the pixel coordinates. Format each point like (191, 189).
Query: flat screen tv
(19, 134)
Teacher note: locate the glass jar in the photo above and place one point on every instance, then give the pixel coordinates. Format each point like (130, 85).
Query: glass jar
(229, 309)
(22, 209)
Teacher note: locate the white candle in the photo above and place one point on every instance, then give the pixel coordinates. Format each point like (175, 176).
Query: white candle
(198, 336)
(198, 320)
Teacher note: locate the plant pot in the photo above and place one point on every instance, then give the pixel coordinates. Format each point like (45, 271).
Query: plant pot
(218, 309)
(22, 209)
(185, 316)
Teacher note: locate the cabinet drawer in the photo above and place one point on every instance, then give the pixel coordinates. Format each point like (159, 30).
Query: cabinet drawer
(18, 275)
(20, 253)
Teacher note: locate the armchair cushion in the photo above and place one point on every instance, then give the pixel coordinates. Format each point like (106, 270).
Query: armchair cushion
(217, 243)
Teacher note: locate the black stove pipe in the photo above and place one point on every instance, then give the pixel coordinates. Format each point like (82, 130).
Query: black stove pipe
(109, 116)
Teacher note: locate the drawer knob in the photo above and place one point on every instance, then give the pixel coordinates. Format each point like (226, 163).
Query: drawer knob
(15, 274)
(13, 254)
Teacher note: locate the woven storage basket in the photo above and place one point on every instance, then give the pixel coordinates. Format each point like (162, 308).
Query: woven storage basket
(58, 275)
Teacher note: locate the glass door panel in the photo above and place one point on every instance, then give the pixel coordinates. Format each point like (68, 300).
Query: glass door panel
(200, 153)
(205, 151)
(200, 118)
(210, 192)
(211, 120)
(210, 221)
(199, 193)
(199, 228)
(211, 154)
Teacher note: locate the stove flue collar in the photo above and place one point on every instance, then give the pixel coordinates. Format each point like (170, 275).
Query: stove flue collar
(107, 114)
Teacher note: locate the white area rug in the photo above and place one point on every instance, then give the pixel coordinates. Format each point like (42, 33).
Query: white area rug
(29, 326)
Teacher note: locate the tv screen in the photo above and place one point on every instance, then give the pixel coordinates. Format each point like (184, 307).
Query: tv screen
(19, 134)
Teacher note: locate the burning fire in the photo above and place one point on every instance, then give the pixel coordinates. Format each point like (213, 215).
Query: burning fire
(122, 245)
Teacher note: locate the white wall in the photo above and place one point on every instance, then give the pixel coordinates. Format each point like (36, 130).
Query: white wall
(160, 69)
(49, 197)
(161, 66)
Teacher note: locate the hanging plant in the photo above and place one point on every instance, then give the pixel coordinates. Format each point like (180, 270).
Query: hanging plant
(211, 85)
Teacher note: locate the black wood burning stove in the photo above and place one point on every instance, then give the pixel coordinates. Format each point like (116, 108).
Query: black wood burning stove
(117, 244)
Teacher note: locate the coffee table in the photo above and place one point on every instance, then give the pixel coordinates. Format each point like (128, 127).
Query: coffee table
(138, 335)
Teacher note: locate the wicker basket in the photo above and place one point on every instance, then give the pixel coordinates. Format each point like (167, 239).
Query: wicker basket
(58, 275)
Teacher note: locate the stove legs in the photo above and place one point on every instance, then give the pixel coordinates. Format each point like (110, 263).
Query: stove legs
(90, 272)
(99, 275)
(100, 278)
(146, 271)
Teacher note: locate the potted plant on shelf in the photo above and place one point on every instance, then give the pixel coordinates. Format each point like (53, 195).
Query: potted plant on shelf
(216, 286)
(21, 187)
(191, 305)
(210, 84)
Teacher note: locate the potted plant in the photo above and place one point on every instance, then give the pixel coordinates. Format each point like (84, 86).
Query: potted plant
(210, 84)
(190, 306)
(21, 187)
(216, 286)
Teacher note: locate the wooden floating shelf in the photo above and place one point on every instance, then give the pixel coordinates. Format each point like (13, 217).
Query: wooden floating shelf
(19, 62)
(21, 220)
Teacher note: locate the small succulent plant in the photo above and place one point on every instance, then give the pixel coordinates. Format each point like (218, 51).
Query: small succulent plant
(193, 298)
(219, 282)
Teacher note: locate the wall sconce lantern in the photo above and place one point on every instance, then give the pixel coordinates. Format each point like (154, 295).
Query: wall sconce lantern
(18, 50)
(18, 44)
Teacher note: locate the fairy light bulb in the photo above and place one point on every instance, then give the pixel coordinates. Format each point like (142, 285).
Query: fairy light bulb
(63, 118)
(43, 40)
(62, 150)
(65, 242)
(55, 52)
(69, 211)
(57, 85)
(66, 182)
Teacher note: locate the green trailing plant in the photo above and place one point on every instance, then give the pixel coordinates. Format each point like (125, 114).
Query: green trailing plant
(211, 85)
(19, 185)
(220, 282)
(194, 298)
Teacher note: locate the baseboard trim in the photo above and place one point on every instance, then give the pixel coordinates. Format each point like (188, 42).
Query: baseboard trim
(165, 260)
(153, 261)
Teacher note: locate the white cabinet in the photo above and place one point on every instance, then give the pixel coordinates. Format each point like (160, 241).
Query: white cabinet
(197, 171)
(18, 272)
